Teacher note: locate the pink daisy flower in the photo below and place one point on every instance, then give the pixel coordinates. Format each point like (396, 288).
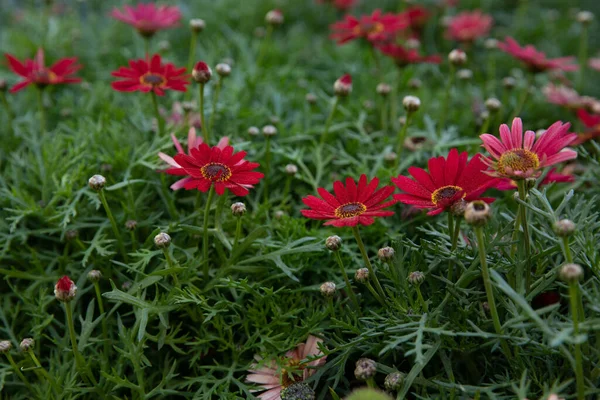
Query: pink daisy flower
(534, 59)
(551, 177)
(563, 96)
(148, 18)
(468, 26)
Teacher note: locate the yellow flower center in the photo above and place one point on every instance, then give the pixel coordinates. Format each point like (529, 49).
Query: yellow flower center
(216, 172)
(517, 160)
(153, 80)
(350, 210)
(291, 374)
(369, 29)
(445, 193)
(45, 76)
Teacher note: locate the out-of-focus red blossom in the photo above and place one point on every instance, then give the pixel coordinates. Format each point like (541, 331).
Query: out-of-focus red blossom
(35, 71)
(468, 26)
(146, 76)
(416, 17)
(403, 56)
(148, 18)
(536, 61)
(594, 63)
(592, 123)
(551, 177)
(341, 5)
(352, 204)
(563, 96)
(179, 117)
(376, 27)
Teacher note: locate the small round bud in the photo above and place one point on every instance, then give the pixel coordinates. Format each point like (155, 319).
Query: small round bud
(65, 289)
(493, 104)
(585, 17)
(291, 169)
(274, 119)
(298, 391)
(386, 254)
(446, 20)
(164, 46)
(383, 89)
(106, 167)
(361, 275)
(3, 85)
(27, 344)
(201, 72)
(279, 214)
(478, 213)
(223, 70)
(274, 17)
(415, 83)
(457, 57)
(394, 381)
(238, 209)
(416, 278)
(564, 227)
(162, 240)
(390, 158)
(97, 182)
(509, 82)
(464, 74)
(530, 183)
(491, 43)
(311, 98)
(571, 272)
(411, 103)
(5, 346)
(402, 120)
(458, 208)
(131, 224)
(342, 87)
(71, 234)
(188, 106)
(412, 43)
(333, 243)
(269, 130)
(368, 105)
(253, 131)
(197, 25)
(365, 369)
(94, 276)
(125, 286)
(328, 289)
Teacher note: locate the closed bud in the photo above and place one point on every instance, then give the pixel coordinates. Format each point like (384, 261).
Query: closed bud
(224, 70)
(253, 131)
(509, 82)
(130, 224)
(162, 240)
(365, 369)
(411, 103)
(457, 57)
(414, 83)
(383, 89)
(5, 346)
(27, 344)
(3, 85)
(291, 169)
(94, 276)
(585, 17)
(458, 208)
(274, 119)
(394, 381)
(491, 43)
(342, 87)
(493, 104)
(97, 182)
(564, 227)
(412, 43)
(390, 158)
(274, 17)
(279, 214)
(65, 289)
(71, 234)
(416, 278)
(238, 209)
(328, 289)
(298, 391)
(197, 25)
(333, 243)
(368, 105)
(164, 46)
(269, 130)
(311, 98)
(386, 254)
(571, 272)
(464, 74)
(201, 72)
(361, 275)
(478, 213)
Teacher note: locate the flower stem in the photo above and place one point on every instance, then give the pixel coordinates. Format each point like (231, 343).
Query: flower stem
(147, 47)
(568, 254)
(238, 233)
(39, 366)
(351, 294)
(215, 100)
(211, 194)
(12, 363)
(424, 306)
(203, 127)
(192, 52)
(524, 97)
(171, 266)
(394, 98)
(583, 49)
(451, 232)
(159, 120)
(113, 223)
(40, 96)
(330, 119)
(485, 274)
(267, 168)
(9, 111)
(383, 119)
(104, 323)
(456, 234)
(446, 102)
(81, 366)
(526, 240)
(402, 136)
(574, 296)
(374, 293)
(363, 251)
(264, 45)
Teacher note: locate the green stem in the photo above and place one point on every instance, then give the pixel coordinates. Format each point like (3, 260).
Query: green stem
(205, 260)
(81, 366)
(383, 116)
(264, 45)
(286, 190)
(113, 223)
(40, 96)
(192, 52)
(238, 234)
(524, 97)
(12, 363)
(526, 240)
(330, 119)
(485, 274)
(171, 265)
(215, 100)
(267, 180)
(485, 125)
(402, 136)
(48, 377)
(445, 104)
(104, 323)
(374, 293)
(6, 105)
(349, 290)
(456, 233)
(568, 254)
(203, 127)
(424, 306)
(147, 47)
(394, 98)
(583, 49)
(363, 251)
(573, 296)
(160, 122)
(451, 232)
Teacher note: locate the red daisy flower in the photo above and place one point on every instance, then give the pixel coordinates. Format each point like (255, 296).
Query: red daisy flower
(468, 26)
(341, 5)
(553, 176)
(416, 16)
(352, 204)
(206, 166)
(403, 56)
(535, 60)
(150, 76)
(449, 181)
(148, 18)
(592, 123)
(35, 71)
(375, 27)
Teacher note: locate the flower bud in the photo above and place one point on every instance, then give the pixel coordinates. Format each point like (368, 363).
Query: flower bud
(197, 25)
(3, 85)
(238, 209)
(94, 276)
(390, 158)
(478, 213)
(361, 275)
(383, 89)
(162, 240)
(224, 70)
(279, 214)
(130, 224)
(509, 82)
(201, 72)
(343, 86)
(564, 227)
(458, 208)
(414, 83)
(27, 344)
(65, 289)
(274, 119)
(402, 120)
(365, 369)
(298, 391)
(416, 278)
(291, 169)
(493, 104)
(125, 286)
(269, 130)
(464, 74)
(253, 131)
(571, 272)
(259, 32)
(97, 182)
(585, 17)
(333, 243)
(368, 105)
(5, 346)
(328, 289)
(394, 381)
(311, 98)
(386, 254)
(491, 43)
(71, 234)
(411, 103)
(274, 17)
(457, 57)
(412, 43)
(164, 46)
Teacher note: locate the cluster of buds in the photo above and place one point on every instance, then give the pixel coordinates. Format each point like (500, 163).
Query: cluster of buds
(223, 69)
(291, 169)
(416, 278)
(386, 254)
(571, 272)
(361, 275)
(342, 87)
(27, 344)
(5, 346)
(394, 381)
(201, 72)
(65, 289)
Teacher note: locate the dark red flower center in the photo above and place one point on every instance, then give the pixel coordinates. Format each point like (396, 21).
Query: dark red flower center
(350, 210)
(216, 172)
(445, 193)
(146, 28)
(44, 77)
(517, 160)
(153, 80)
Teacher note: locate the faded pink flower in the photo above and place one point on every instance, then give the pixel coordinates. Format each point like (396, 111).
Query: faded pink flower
(535, 60)
(563, 96)
(468, 26)
(594, 63)
(551, 177)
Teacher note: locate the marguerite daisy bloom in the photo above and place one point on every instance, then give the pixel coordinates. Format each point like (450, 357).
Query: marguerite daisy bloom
(150, 76)
(148, 18)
